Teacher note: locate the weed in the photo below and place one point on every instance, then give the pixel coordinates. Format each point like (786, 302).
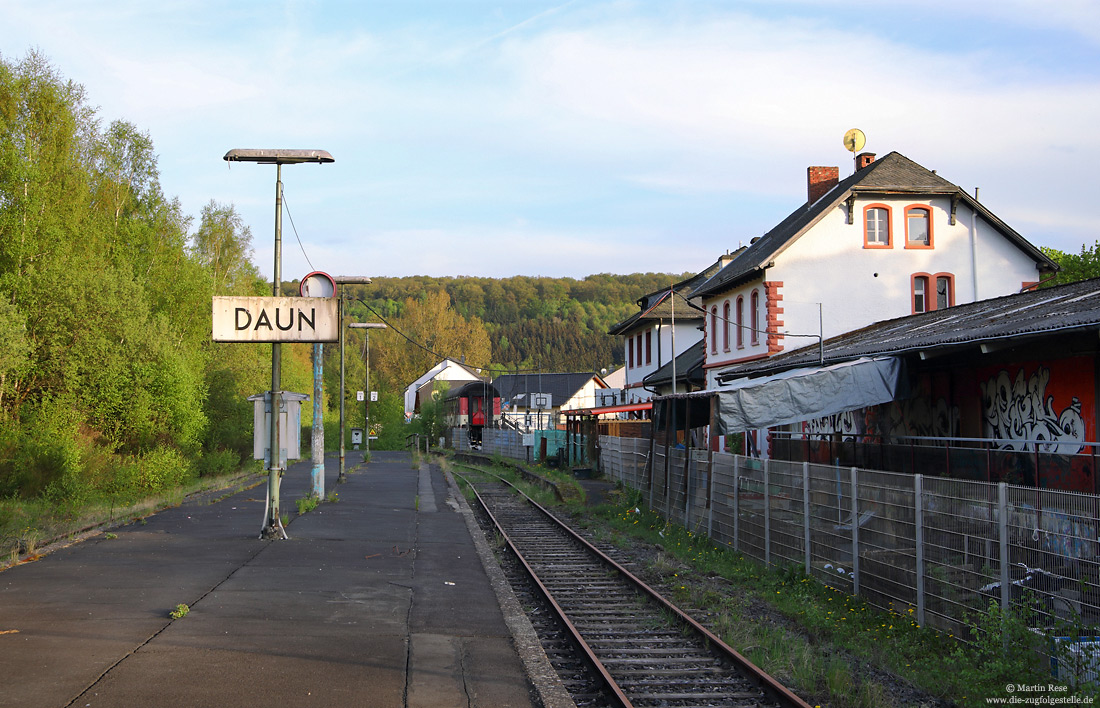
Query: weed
(110, 536)
(180, 611)
(416, 502)
(332, 497)
(284, 519)
(306, 504)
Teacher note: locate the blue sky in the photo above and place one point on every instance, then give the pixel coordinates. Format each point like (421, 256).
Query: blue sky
(570, 138)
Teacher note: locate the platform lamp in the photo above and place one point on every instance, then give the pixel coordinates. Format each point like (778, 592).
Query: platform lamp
(344, 280)
(368, 326)
(273, 526)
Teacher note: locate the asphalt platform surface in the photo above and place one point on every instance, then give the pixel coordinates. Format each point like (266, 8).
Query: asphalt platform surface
(379, 599)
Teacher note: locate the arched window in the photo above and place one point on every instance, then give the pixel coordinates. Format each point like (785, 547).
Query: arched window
(714, 329)
(918, 227)
(754, 316)
(920, 293)
(876, 226)
(726, 326)
(740, 322)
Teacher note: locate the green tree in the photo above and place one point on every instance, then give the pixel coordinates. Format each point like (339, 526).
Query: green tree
(1074, 267)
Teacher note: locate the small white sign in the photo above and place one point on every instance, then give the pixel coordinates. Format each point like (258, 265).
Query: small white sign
(541, 401)
(373, 396)
(359, 395)
(528, 439)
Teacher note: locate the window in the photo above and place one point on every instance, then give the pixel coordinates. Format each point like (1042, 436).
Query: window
(924, 300)
(648, 347)
(918, 227)
(754, 316)
(639, 349)
(876, 226)
(740, 322)
(920, 293)
(944, 292)
(726, 326)
(630, 353)
(714, 329)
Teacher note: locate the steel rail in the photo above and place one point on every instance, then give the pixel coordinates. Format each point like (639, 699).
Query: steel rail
(763, 681)
(594, 663)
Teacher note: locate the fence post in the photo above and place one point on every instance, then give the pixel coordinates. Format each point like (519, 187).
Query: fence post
(1002, 533)
(918, 507)
(710, 496)
(737, 502)
(767, 515)
(855, 532)
(806, 512)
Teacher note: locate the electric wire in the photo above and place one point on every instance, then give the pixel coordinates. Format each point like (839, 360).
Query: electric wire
(295, 228)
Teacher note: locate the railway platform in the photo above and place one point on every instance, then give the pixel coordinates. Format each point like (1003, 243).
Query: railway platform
(378, 599)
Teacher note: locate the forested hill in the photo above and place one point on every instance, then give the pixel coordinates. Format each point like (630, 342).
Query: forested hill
(553, 324)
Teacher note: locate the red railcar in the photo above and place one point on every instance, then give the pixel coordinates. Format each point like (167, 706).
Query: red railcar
(473, 407)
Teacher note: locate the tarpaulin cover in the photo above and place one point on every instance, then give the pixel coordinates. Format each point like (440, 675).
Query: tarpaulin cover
(808, 393)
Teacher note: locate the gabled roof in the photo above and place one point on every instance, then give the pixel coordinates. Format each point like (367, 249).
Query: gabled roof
(561, 387)
(658, 305)
(689, 367)
(994, 323)
(893, 174)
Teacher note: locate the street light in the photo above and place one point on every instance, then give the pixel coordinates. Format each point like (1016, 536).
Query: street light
(344, 280)
(273, 526)
(366, 388)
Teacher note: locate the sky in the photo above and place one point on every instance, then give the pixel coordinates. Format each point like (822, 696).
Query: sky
(500, 138)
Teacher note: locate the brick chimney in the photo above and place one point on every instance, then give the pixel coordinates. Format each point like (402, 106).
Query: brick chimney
(820, 180)
(863, 159)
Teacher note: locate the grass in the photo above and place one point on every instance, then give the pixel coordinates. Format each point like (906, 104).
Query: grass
(306, 504)
(180, 611)
(26, 525)
(816, 634)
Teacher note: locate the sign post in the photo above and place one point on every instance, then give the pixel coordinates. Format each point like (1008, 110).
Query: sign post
(273, 526)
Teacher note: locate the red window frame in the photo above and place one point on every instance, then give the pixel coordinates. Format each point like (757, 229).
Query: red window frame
(911, 209)
(889, 226)
(931, 290)
(754, 317)
(740, 321)
(630, 352)
(648, 347)
(714, 329)
(726, 326)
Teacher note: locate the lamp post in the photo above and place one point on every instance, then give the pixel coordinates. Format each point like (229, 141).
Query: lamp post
(366, 386)
(273, 527)
(344, 280)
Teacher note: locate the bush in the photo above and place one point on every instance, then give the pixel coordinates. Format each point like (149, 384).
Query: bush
(215, 463)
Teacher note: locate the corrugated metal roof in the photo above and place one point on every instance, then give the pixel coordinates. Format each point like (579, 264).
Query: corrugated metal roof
(1040, 312)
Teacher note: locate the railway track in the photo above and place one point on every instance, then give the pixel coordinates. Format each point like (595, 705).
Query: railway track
(613, 640)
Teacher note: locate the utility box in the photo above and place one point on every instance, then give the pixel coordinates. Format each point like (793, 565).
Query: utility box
(356, 437)
(290, 426)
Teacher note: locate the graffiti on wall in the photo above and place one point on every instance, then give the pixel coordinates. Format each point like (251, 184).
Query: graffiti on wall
(1020, 410)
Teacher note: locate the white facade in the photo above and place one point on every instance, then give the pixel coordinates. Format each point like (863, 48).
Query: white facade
(446, 370)
(837, 277)
(650, 347)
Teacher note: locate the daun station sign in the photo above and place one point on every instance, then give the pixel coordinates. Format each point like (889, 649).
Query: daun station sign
(276, 319)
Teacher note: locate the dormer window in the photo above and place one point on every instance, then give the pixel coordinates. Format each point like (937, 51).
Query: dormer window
(918, 227)
(876, 226)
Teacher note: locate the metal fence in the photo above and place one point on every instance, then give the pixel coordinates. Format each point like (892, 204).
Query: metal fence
(509, 443)
(934, 549)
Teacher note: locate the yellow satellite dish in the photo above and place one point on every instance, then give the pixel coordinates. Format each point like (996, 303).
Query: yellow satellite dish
(854, 140)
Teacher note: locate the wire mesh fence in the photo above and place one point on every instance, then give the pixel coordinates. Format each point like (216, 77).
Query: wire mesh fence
(937, 550)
